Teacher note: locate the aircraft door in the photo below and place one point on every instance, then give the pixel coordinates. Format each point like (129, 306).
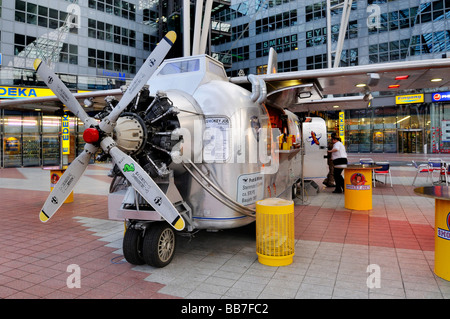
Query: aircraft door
(314, 132)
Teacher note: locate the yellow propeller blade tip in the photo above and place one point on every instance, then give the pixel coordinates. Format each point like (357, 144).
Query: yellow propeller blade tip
(36, 63)
(179, 225)
(43, 217)
(171, 36)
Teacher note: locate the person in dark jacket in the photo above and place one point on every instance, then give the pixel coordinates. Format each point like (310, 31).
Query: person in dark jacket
(329, 181)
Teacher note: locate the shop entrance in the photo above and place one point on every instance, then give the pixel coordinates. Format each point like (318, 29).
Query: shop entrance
(410, 141)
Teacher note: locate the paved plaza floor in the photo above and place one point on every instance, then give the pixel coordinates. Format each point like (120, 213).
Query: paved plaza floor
(337, 251)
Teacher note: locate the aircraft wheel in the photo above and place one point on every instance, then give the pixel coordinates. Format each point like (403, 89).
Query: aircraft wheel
(132, 246)
(159, 245)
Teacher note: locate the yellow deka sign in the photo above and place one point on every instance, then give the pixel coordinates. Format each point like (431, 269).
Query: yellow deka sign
(65, 134)
(9, 92)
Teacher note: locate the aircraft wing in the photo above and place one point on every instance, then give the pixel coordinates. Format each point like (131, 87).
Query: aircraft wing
(311, 89)
(52, 102)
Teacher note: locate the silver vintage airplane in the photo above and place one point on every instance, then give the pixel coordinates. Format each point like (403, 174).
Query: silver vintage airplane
(193, 149)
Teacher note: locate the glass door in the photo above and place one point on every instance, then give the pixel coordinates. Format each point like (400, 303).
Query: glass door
(12, 141)
(51, 153)
(410, 141)
(31, 141)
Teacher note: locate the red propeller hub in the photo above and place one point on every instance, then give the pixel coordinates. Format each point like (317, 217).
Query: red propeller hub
(91, 135)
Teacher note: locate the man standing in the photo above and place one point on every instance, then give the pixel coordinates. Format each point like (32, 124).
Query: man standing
(329, 181)
(339, 157)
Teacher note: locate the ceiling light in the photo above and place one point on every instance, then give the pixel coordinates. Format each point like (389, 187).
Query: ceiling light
(335, 106)
(405, 118)
(436, 80)
(394, 86)
(360, 85)
(402, 77)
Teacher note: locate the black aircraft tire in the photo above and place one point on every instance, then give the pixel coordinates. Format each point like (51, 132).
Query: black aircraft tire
(132, 246)
(159, 245)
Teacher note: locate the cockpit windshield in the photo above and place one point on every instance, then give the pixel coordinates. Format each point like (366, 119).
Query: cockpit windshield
(181, 67)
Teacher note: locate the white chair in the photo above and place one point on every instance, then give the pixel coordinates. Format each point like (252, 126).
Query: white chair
(384, 170)
(435, 165)
(366, 161)
(445, 171)
(421, 168)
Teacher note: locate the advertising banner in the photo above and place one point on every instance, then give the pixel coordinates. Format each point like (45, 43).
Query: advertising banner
(342, 127)
(65, 134)
(408, 99)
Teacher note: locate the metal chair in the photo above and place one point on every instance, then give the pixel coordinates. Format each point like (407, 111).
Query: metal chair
(421, 168)
(384, 170)
(366, 161)
(435, 165)
(445, 171)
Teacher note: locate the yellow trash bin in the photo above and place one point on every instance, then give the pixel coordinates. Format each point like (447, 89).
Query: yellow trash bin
(358, 186)
(55, 174)
(275, 231)
(442, 239)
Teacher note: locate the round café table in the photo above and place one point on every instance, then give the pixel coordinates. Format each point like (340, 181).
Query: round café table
(441, 195)
(358, 185)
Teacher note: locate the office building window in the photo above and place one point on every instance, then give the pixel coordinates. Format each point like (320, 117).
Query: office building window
(111, 61)
(150, 42)
(320, 61)
(394, 20)
(240, 54)
(349, 57)
(430, 43)
(319, 10)
(369, 2)
(388, 51)
(118, 8)
(416, 45)
(69, 54)
(316, 62)
(149, 17)
(21, 42)
(42, 16)
(408, 17)
(282, 20)
(286, 66)
(240, 31)
(111, 33)
(319, 36)
(283, 44)
(30, 47)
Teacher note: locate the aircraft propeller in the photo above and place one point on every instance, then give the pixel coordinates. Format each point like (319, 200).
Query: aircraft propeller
(97, 135)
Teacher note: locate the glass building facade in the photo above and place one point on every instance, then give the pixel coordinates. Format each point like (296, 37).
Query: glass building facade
(91, 45)
(34, 139)
(104, 42)
(379, 31)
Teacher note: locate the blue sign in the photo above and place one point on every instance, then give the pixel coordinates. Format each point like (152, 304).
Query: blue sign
(112, 74)
(0, 59)
(441, 97)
